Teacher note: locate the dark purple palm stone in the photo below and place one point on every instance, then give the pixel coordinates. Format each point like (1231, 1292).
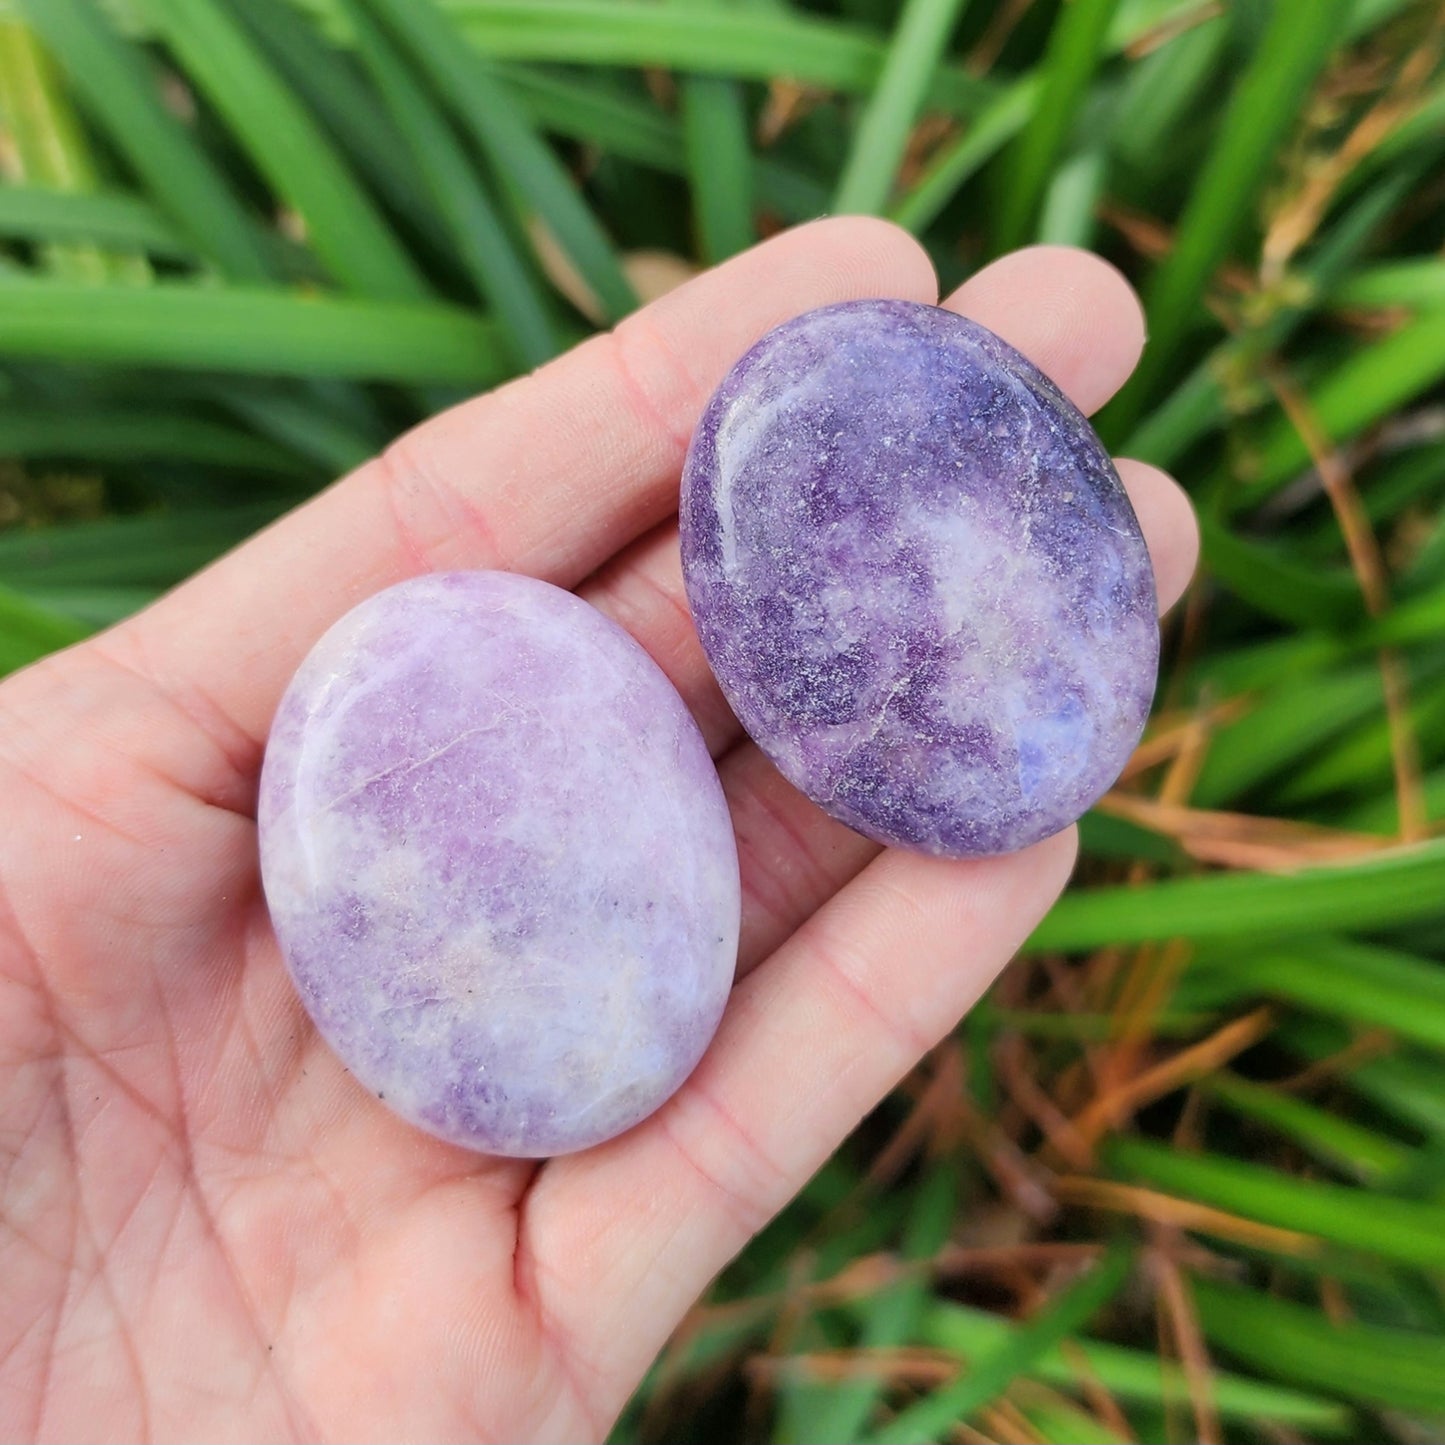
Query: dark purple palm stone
(499, 863)
(918, 578)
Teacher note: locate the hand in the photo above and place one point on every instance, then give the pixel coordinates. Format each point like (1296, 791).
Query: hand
(207, 1229)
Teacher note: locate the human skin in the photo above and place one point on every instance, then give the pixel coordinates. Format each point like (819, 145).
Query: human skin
(208, 1230)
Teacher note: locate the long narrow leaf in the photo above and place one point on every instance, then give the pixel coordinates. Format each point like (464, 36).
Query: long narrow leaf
(478, 234)
(1397, 1369)
(1385, 889)
(1073, 52)
(719, 164)
(1274, 582)
(1366, 1153)
(1403, 1230)
(719, 159)
(1354, 981)
(1265, 104)
(481, 102)
(137, 434)
(991, 1374)
(597, 115)
(914, 56)
(335, 89)
(146, 551)
(244, 330)
(842, 1411)
(28, 630)
(49, 148)
(995, 126)
(1132, 1375)
(343, 226)
(1368, 385)
(114, 219)
(110, 79)
(728, 41)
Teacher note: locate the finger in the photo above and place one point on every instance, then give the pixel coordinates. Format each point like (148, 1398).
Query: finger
(1167, 520)
(617, 1243)
(641, 589)
(550, 475)
(1070, 312)
(792, 857)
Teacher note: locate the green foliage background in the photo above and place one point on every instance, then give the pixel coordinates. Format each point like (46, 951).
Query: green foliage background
(1182, 1176)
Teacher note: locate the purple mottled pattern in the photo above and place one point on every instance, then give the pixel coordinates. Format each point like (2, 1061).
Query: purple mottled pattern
(918, 578)
(499, 863)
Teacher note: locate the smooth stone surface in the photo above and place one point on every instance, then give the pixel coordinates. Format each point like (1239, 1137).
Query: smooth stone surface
(918, 578)
(499, 863)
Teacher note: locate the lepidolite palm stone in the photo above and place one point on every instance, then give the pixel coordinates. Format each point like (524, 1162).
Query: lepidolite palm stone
(918, 578)
(499, 863)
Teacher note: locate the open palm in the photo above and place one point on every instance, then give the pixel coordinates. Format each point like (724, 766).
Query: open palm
(207, 1229)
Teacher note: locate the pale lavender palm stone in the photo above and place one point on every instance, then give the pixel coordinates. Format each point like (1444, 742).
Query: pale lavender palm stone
(918, 578)
(499, 863)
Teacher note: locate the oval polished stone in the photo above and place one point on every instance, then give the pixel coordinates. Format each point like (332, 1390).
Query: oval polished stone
(499, 863)
(918, 578)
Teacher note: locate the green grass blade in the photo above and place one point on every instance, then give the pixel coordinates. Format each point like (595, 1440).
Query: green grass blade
(1398, 1369)
(250, 330)
(1365, 755)
(304, 425)
(1074, 49)
(1368, 385)
(1265, 104)
(117, 220)
(719, 159)
(1381, 814)
(480, 100)
(328, 81)
(840, 1412)
(1356, 982)
(1367, 1154)
(1415, 283)
(1199, 403)
(744, 44)
(998, 116)
(1417, 620)
(111, 80)
(1161, 90)
(1277, 733)
(1403, 1230)
(1057, 1422)
(343, 227)
(1134, 1376)
(918, 207)
(28, 630)
(89, 607)
(47, 143)
(1271, 579)
(914, 55)
(1410, 1088)
(150, 551)
(719, 164)
(751, 43)
(49, 148)
(138, 434)
(1068, 217)
(580, 109)
(990, 1374)
(1384, 889)
(501, 275)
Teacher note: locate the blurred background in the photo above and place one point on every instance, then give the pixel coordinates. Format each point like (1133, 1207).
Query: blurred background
(1182, 1176)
